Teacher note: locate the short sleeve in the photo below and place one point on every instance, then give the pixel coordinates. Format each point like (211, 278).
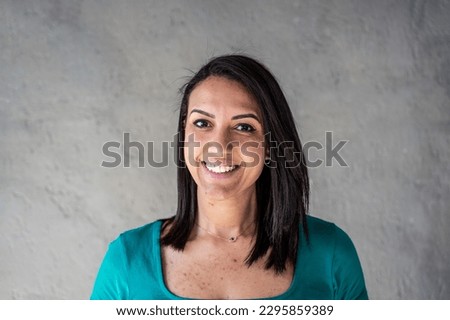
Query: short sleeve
(348, 278)
(111, 282)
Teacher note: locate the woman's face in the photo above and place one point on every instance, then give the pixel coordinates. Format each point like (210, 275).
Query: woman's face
(224, 138)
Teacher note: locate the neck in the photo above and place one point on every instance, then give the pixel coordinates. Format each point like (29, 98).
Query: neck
(227, 217)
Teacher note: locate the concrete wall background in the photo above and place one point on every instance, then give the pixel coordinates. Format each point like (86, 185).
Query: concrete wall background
(75, 74)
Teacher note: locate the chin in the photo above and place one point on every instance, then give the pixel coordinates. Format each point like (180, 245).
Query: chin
(217, 193)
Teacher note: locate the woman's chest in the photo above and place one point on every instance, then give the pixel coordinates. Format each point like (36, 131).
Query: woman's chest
(221, 275)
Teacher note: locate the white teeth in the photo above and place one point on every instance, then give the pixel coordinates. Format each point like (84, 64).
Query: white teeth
(219, 168)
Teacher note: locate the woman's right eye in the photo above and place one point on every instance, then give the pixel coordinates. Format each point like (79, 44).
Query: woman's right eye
(201, 123)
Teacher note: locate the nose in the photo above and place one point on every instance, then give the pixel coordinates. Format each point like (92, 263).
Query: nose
(220, 144)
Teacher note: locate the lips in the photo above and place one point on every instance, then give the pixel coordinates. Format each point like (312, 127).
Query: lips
(219, 168)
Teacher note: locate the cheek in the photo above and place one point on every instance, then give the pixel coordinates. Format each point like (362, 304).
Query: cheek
(252, 153)
(192, 146)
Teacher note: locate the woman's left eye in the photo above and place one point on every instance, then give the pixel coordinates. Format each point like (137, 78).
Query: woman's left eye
(245, 127)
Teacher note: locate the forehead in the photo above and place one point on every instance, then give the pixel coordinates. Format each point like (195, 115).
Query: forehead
(220, 94)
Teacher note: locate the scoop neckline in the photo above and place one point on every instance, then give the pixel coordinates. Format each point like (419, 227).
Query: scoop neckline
(167, 292)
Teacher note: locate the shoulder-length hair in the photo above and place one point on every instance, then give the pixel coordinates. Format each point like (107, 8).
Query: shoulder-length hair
(283, 186)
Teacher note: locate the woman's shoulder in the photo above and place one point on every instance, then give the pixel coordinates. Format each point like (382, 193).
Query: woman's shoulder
(140, 237)
(331, 246)
(142, 231)
(326, 233)
(123, 264)
(320, 226)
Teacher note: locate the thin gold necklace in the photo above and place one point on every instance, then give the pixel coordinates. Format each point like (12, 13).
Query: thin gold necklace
(229, 239)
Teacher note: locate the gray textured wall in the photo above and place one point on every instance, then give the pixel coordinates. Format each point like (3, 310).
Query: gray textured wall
(75, 74)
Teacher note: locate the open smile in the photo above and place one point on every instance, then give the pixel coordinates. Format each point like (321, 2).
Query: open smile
(219, 168)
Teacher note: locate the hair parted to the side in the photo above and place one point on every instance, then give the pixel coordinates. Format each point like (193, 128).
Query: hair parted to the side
(282, 191)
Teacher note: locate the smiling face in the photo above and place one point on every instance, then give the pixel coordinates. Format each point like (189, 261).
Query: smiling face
(224, 138)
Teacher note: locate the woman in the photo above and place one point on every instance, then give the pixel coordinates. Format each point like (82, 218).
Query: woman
(241, 230)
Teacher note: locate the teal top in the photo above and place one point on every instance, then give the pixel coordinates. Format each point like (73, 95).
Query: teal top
(326, 268)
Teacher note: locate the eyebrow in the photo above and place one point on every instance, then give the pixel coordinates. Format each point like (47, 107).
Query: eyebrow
(247, 115)
(240, 116)
(203, 112)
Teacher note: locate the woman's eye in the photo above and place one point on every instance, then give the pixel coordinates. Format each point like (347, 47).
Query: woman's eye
(201, 123)
(245, 127)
